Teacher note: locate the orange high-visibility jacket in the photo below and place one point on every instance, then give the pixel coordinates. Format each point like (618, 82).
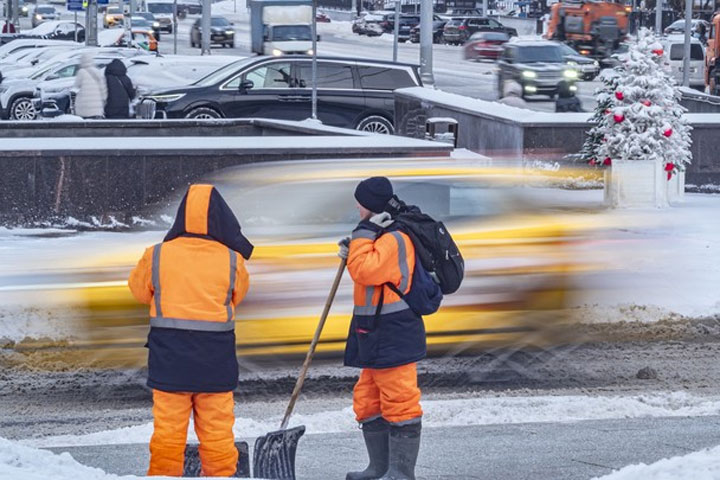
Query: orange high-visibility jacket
(392, 335)
(193, 281)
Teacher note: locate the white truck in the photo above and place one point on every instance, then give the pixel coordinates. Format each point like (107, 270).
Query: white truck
(281, 27)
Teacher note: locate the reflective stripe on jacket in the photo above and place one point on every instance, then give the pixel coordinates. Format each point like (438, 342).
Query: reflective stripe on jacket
(192, 282)
(394, 335)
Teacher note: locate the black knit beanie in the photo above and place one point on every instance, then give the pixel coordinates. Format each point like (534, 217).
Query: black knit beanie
(374, 193)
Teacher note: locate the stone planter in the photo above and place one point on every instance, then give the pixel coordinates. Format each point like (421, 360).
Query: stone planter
(676, 188)
(636, 184)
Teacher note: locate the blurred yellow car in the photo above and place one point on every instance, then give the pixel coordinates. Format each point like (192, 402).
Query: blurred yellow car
(519, 273)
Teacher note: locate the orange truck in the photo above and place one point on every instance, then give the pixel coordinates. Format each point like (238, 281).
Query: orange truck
(595, 29)
(712, 55)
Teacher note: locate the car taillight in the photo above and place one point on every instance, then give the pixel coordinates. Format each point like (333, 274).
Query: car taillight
(461, 27)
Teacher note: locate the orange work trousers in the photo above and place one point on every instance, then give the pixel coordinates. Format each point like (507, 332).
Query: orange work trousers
(214, 418)
(391, 393)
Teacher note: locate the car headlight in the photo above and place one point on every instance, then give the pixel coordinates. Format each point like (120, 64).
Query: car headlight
(596, 63)
(173, 97)
(529, 74)
(571, 63)
(229, 32)
(156, 24)
(570, 74)
(310, 52)
(277, 53)
(24, 9)
(38, 17)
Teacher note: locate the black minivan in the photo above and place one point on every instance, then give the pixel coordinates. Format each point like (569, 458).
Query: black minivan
(351, 93)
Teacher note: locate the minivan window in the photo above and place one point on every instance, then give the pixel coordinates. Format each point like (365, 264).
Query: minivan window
(45, 9)
(274, 75)
(329, 75)
(677, 51)
(384, 78)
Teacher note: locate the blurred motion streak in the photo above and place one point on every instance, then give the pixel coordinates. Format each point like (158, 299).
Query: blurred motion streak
(519, 260)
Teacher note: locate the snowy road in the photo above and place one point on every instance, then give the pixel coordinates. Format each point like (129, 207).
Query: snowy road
(558, 451)
(452, 73)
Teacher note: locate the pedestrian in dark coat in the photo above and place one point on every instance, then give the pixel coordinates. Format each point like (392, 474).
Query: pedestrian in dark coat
(120, 90)
(567, 101)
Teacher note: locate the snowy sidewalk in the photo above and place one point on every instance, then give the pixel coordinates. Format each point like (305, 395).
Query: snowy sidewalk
(558, 451)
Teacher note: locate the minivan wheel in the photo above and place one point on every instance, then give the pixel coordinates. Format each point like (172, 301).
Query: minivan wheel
(203, 113)
(23, 109)
(376, 124)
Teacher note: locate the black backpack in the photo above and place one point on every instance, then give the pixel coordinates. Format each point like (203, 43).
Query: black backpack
(433, 244)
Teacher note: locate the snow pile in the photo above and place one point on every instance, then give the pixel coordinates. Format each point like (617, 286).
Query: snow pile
(702, 465)
(441, 413)
(18, 462)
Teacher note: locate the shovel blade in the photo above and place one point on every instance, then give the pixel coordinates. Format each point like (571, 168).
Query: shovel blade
(274, 455)
(193, 467)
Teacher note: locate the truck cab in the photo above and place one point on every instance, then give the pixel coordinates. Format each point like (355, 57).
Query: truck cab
(281, 27)
(287, 39)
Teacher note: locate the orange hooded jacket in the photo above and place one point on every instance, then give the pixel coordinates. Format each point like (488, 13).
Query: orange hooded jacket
(193, 281)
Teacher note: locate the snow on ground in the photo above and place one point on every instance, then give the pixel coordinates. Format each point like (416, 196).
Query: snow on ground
(497, 409)
(702, 465)
(19, 462)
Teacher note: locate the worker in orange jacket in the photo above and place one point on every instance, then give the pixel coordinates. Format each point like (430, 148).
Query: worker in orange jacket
(193, 281)
(386, 337)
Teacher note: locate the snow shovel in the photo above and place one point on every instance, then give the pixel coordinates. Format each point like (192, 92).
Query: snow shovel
(274, 455)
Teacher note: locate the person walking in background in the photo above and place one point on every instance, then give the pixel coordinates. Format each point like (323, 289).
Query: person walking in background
(120, 90)
(566, 99)
(193, 281)
(91, 89)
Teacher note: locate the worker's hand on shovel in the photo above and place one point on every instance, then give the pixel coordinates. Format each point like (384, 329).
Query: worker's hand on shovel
(344, 245)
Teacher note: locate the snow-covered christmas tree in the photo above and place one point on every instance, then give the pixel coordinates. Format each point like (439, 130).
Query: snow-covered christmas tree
(639, 116)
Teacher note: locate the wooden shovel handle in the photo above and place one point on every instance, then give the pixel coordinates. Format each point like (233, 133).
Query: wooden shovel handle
(313, 345)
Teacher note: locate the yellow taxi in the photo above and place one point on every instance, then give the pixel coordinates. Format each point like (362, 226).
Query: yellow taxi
(519, 265)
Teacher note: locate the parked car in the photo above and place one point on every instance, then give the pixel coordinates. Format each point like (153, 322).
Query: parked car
(49, 30)
(369, 25)
(485, 45)
(458, 30)
(163, 12)
(538, 66)
(437, 27)
(43, 13)
(192, 7)
(322, 18)
(588, 68)
(221, 32)
(351, 93)
(407, 23)
(678, 27)
(114, 16)
(29, 43)
(674, 46)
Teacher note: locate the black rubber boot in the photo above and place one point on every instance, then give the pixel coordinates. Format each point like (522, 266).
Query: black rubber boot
(376, 434)
(404, 446)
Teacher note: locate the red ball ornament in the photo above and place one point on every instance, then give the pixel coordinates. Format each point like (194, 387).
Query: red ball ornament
(607, 111)
(593, 162)
(647, 103)
(667, 132)
(669, 167)
(607, 162)
(658, 51)
(619, 95)
(618, 117)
